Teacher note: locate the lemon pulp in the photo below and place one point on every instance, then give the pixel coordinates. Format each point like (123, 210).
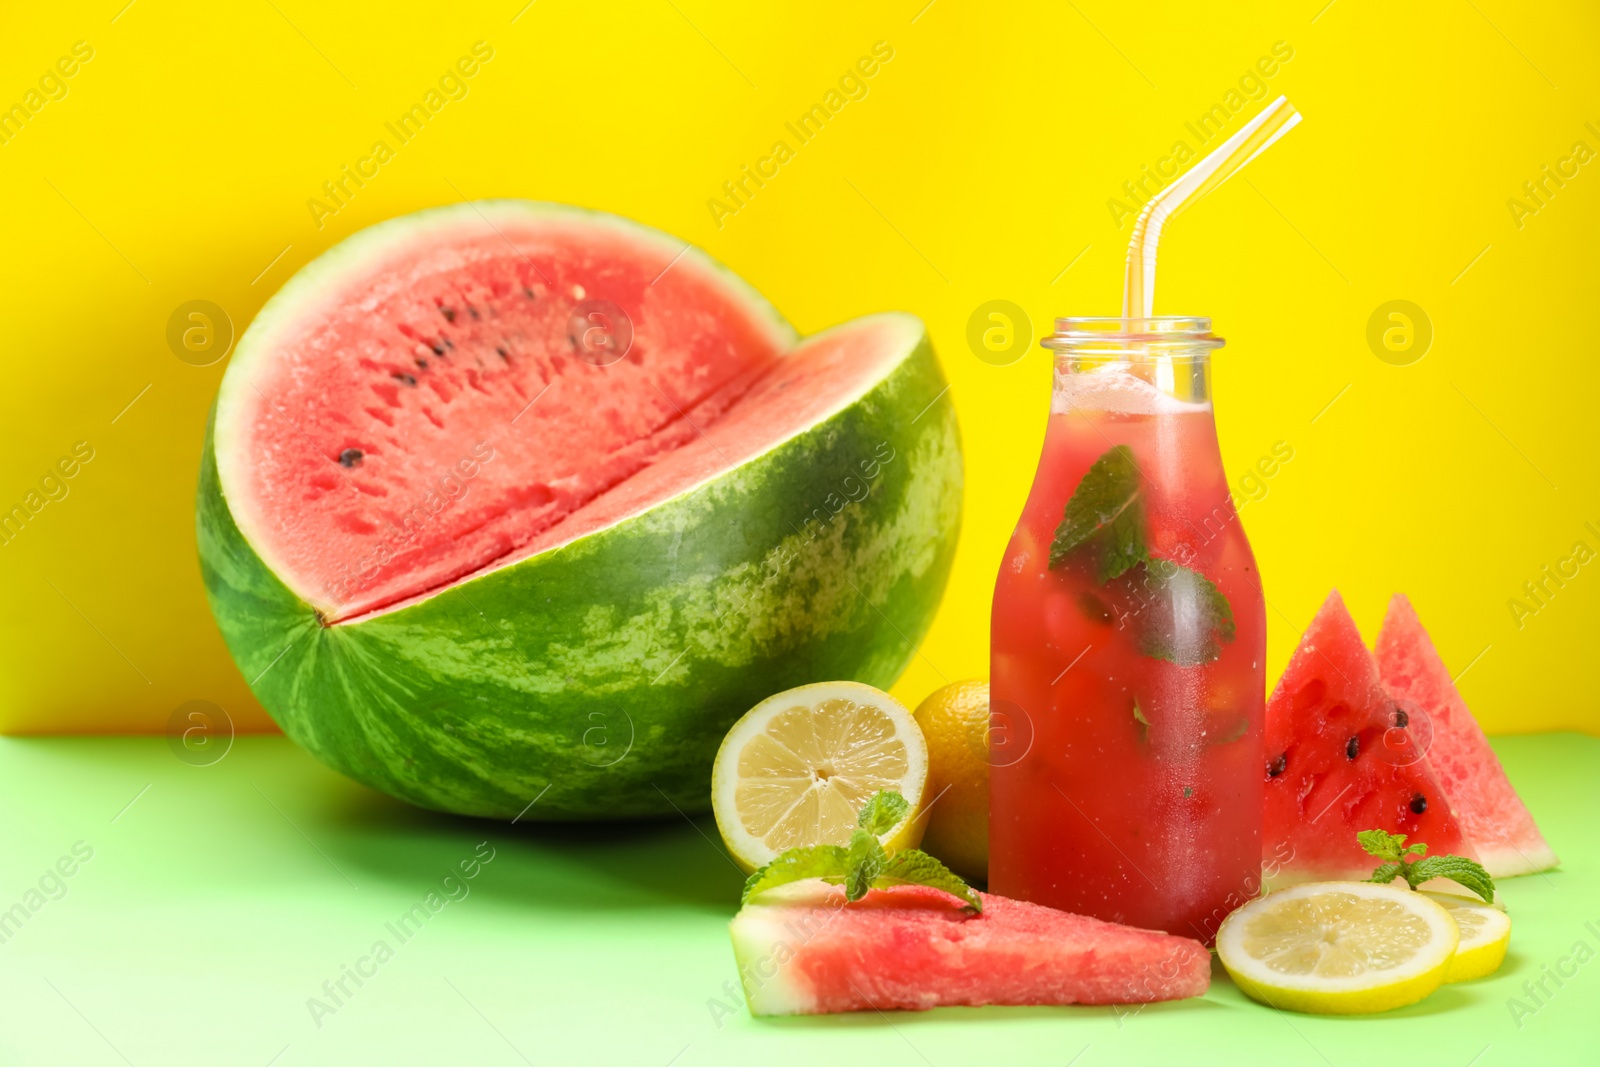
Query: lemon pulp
(1339, 947)
(1335, 935)
(1485, 935)
(798, 768)
(805, 777)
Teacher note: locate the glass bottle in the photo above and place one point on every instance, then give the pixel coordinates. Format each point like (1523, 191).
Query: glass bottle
(1127, 647)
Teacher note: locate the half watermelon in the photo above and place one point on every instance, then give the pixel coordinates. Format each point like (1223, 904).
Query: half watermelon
(510, 509)
(1342, 757)
(802, 950)
(1492, 816)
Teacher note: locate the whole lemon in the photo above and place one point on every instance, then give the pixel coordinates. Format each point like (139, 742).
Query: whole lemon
(955, 722)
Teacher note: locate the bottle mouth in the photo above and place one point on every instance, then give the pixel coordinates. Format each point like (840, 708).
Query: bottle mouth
(1095, 331)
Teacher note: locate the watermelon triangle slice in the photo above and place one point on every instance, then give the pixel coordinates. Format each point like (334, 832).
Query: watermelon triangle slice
(1341, 758)
(803, 951)
(1492, 816)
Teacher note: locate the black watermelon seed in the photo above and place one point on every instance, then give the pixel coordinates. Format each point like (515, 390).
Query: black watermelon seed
(1401, 719)
(528, 293)
(409, 379)
(1278, 766)
(502, 353)
(350, 457)
(1352, 747)
(1419, 804)
(438, 350)
(422, 363)
(448, 313)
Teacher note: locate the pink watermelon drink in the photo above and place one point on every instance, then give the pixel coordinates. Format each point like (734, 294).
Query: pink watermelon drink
(1127, 647)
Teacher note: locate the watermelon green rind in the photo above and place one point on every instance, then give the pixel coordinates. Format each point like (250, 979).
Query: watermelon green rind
(596, 679)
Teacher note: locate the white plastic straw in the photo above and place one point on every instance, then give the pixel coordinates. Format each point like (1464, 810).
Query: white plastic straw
(1139, 290)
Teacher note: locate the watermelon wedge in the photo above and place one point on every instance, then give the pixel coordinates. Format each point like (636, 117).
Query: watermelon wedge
(1492, 816)
(1341, 757)
(510, 509)
(802, 950)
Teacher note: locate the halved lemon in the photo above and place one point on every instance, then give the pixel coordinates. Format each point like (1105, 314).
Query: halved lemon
(1338, 948)
(800, 766)
(1485, 935)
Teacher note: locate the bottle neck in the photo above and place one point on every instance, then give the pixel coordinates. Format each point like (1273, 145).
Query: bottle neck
(1133, 366)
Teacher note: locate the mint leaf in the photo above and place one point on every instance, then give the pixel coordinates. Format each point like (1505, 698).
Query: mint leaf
(1233, 733)
(1185, 619)
(1107, 511)
(1381, 843)
(1386, 873)
(883, 812)
(1458, 869)
(1144, 723)
(1392, 848)
(795, 864)
(863, 861)
(1094, 609)
(915, 867)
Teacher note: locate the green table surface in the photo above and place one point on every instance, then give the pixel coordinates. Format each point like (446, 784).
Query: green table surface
(218, 900)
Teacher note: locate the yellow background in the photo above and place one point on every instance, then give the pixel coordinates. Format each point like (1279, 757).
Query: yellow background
(978, 167)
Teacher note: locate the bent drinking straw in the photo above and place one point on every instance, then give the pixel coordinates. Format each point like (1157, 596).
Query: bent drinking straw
(1138, 294)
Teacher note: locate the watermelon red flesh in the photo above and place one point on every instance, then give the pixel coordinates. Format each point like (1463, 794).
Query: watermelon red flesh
(429, 413)
(804, 951)
(1492, 816)
(799, 389)
(1330, 704)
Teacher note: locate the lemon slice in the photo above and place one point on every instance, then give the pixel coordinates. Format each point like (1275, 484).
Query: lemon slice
(1485, 934)
(1338, 948)
(800, 766)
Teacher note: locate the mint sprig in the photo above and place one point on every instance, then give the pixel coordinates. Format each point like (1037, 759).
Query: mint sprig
(1398, 862)
(1183, 617)
(864, 863)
